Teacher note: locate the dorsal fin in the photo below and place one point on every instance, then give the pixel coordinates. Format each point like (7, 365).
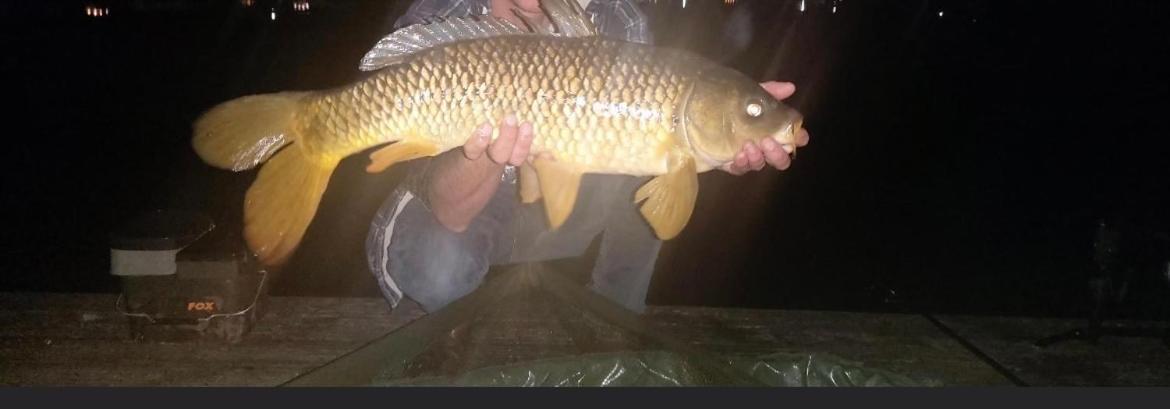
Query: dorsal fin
(566, 16)
(395, 47)
(531, 26)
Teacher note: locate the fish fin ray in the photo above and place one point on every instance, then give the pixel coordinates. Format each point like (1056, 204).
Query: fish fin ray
(558, 186)
(529, 24)
(566, 15)
(244, 132)
(282, 201)
(400, 151)
(670, 198)
(396, 47)
(529, 184)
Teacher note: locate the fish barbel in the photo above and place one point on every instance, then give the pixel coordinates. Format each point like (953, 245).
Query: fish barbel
(596, 106)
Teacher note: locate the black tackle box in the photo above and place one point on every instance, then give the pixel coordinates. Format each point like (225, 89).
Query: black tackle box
(185, 278)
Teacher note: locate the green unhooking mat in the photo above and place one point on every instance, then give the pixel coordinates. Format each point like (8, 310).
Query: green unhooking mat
(531, 326)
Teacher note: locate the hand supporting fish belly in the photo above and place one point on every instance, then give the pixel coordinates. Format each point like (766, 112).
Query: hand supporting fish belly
(595, 105)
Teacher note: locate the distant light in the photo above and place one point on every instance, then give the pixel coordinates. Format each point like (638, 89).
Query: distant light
(729, 2)
(940, 13)
(684, 4)
(272, 15)
(834, 9)
(248, 3)
(801, 6)
(95, 11)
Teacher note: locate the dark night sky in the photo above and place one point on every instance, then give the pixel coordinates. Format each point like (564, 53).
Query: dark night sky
(958, 161)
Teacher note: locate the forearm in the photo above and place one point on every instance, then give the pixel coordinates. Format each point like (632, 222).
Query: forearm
(459, 188)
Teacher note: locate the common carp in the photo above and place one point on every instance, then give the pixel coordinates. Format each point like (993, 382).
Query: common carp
(597, 105)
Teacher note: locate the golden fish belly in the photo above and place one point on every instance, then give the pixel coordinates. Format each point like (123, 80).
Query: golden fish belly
(601, 105)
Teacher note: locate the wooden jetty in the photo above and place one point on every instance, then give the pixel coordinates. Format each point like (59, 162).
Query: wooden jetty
(79, 339)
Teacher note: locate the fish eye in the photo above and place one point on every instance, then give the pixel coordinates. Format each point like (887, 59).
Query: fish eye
(754, 109)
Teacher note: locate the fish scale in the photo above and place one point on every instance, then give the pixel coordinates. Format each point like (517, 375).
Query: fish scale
(603, 105)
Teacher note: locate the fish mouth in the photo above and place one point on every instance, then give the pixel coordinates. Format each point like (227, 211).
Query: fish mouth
(786, 137)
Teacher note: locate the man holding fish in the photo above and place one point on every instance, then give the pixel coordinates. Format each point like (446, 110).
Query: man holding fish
(459, 212)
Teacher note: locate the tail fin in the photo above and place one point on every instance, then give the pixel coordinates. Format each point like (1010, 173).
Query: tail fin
(244, 132)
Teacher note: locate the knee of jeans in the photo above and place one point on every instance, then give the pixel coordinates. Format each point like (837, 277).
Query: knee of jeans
(443, 267)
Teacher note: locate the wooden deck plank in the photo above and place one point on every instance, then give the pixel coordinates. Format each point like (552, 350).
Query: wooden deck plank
(78, 339)
(1114, 361)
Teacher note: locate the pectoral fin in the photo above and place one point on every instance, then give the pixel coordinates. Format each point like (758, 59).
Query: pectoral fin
(670, 198)
(400, 151)
(529, 185)
(558, 185)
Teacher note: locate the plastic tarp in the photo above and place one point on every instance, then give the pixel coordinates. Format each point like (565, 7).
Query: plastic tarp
(661, 368)
(532, 326)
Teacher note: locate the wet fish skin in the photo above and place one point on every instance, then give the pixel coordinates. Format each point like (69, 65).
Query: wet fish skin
(602, 105)
(597, 106)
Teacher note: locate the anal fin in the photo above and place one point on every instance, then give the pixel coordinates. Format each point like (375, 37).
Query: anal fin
(400, 151)
(558, 185)
(670, 198)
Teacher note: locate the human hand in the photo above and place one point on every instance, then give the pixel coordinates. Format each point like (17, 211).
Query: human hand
(510, 148)
(752, 157)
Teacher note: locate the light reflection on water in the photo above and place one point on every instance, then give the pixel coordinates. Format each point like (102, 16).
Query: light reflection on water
(271, 9)
(96, 11)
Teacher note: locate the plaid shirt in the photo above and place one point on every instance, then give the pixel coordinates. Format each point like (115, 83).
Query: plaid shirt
(619, 19)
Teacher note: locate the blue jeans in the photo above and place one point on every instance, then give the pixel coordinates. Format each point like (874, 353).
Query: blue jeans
(411, 254)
